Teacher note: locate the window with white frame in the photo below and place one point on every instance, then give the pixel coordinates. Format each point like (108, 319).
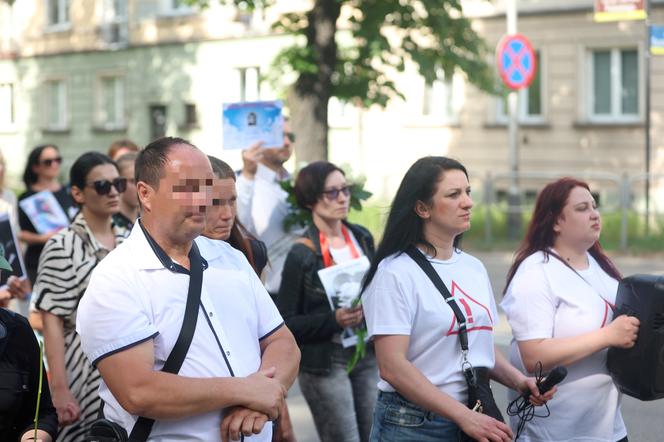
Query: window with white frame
(7, 117)
(110, 102)
(249, 83)
(56, 106)
(530, 99)
(613, 84)
(58, 13)
(440, 100)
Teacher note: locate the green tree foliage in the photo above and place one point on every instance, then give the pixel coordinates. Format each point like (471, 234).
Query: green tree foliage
(351, 58)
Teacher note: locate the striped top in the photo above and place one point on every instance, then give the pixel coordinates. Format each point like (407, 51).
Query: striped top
(65, 266)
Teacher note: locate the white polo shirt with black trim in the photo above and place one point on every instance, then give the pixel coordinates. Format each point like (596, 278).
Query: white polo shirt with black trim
(138, 293)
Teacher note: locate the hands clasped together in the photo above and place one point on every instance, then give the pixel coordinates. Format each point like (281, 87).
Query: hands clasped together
(265, 402)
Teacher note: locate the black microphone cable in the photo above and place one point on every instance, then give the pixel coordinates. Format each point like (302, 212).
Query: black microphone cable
(522, 407)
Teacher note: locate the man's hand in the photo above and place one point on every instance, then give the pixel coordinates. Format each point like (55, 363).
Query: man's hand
(484, 428)
(42, 436)
(240, 420)
(250, 159)
(265, 394)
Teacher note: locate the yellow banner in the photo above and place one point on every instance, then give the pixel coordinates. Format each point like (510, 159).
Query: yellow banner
(603, 17)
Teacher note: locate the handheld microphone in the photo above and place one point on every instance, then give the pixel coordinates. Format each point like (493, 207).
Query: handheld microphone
(555, 377)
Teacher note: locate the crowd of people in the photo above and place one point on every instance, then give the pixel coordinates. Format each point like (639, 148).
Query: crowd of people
(175, 305)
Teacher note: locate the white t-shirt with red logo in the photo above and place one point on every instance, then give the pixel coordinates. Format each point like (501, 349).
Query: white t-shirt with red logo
(401, 300)
(547, 299)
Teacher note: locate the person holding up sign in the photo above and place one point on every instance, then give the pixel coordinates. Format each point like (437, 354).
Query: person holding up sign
(341, 402)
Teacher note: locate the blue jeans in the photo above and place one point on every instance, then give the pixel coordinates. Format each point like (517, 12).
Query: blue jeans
(398, 420)
(341, 403)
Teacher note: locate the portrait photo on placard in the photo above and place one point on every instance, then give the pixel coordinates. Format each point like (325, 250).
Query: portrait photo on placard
(10, 250)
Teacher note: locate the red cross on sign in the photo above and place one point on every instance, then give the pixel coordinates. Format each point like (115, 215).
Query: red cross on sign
(516, 61)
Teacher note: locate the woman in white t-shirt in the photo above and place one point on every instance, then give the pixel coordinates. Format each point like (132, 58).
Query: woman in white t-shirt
(423, 391)
(559, 301)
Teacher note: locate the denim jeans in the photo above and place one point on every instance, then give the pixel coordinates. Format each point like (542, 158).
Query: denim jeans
(342, 403)
(398, 420)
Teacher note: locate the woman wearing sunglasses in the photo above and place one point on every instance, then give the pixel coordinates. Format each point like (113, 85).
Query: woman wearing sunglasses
(41, 173)
(65, 267)
(341, 403)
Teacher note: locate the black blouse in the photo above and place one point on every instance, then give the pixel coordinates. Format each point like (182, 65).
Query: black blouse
(19, 381)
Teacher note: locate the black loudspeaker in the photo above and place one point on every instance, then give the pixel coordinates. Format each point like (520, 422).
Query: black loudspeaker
(639, 371)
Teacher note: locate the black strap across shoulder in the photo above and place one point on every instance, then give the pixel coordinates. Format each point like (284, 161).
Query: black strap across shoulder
(428, 269)
(143, 425)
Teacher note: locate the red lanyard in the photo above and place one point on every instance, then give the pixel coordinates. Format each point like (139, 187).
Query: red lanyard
(325, 247)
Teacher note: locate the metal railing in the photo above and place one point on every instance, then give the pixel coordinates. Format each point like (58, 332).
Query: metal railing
(619, 193)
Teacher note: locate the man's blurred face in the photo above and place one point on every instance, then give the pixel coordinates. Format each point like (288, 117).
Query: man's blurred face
(277, 156)
(185, 192)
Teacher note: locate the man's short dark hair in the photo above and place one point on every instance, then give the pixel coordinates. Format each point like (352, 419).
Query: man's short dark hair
(152, 160)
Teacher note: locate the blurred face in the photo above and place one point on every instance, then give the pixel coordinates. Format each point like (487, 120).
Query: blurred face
(89, 197)
(334, 202)
(579, 222)
(48, 165)
(221, 215)
(129, 196)
(180, 203)
(277, 156)
(449, 211)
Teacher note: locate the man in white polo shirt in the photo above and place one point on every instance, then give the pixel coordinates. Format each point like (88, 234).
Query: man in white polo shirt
(240, 356)
(262, 205)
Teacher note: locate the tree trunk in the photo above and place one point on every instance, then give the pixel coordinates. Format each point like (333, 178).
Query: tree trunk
(311, 93)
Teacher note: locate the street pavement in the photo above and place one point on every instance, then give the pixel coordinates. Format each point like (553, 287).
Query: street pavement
(644, 420)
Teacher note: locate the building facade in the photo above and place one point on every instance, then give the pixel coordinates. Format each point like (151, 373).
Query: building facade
(81, 74)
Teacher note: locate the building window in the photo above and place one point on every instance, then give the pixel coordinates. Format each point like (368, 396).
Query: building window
(110, 104)
(113, 27)
(58, 12)
(249, 83)
(530, 99)
(7, 118)
(190, 115)
(57, 117)
(614, 84)
(438, 100)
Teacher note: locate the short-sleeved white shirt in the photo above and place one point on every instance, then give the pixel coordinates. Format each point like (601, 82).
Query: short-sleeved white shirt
(547, 299)
(401, 300)
(132, 297)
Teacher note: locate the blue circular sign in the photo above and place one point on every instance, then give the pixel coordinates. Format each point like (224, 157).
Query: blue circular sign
(516, 61)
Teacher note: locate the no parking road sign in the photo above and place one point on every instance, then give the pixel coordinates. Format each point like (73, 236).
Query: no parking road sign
(516, 61)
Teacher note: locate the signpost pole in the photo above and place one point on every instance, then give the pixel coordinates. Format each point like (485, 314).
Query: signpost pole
(646, 67)
(514, 214)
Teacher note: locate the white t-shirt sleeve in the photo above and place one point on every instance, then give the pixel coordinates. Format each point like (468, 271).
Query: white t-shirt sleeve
(529, 305)
(386, 307)
(269, 318)
(112, 316)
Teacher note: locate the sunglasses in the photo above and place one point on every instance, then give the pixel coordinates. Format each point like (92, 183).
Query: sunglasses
(103, 187)
(332, 194)
(290, 136)
(49, 162)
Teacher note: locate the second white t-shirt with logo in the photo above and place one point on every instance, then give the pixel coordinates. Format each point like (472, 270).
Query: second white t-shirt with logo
(401, 300)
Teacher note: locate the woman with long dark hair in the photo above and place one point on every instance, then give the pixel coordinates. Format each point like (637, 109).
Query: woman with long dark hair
(341, 403)
(423, 391)
(64, 271)
(559, 300)
(41, 173)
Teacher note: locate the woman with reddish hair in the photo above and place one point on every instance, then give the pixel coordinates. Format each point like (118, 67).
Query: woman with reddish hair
(559, 301)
